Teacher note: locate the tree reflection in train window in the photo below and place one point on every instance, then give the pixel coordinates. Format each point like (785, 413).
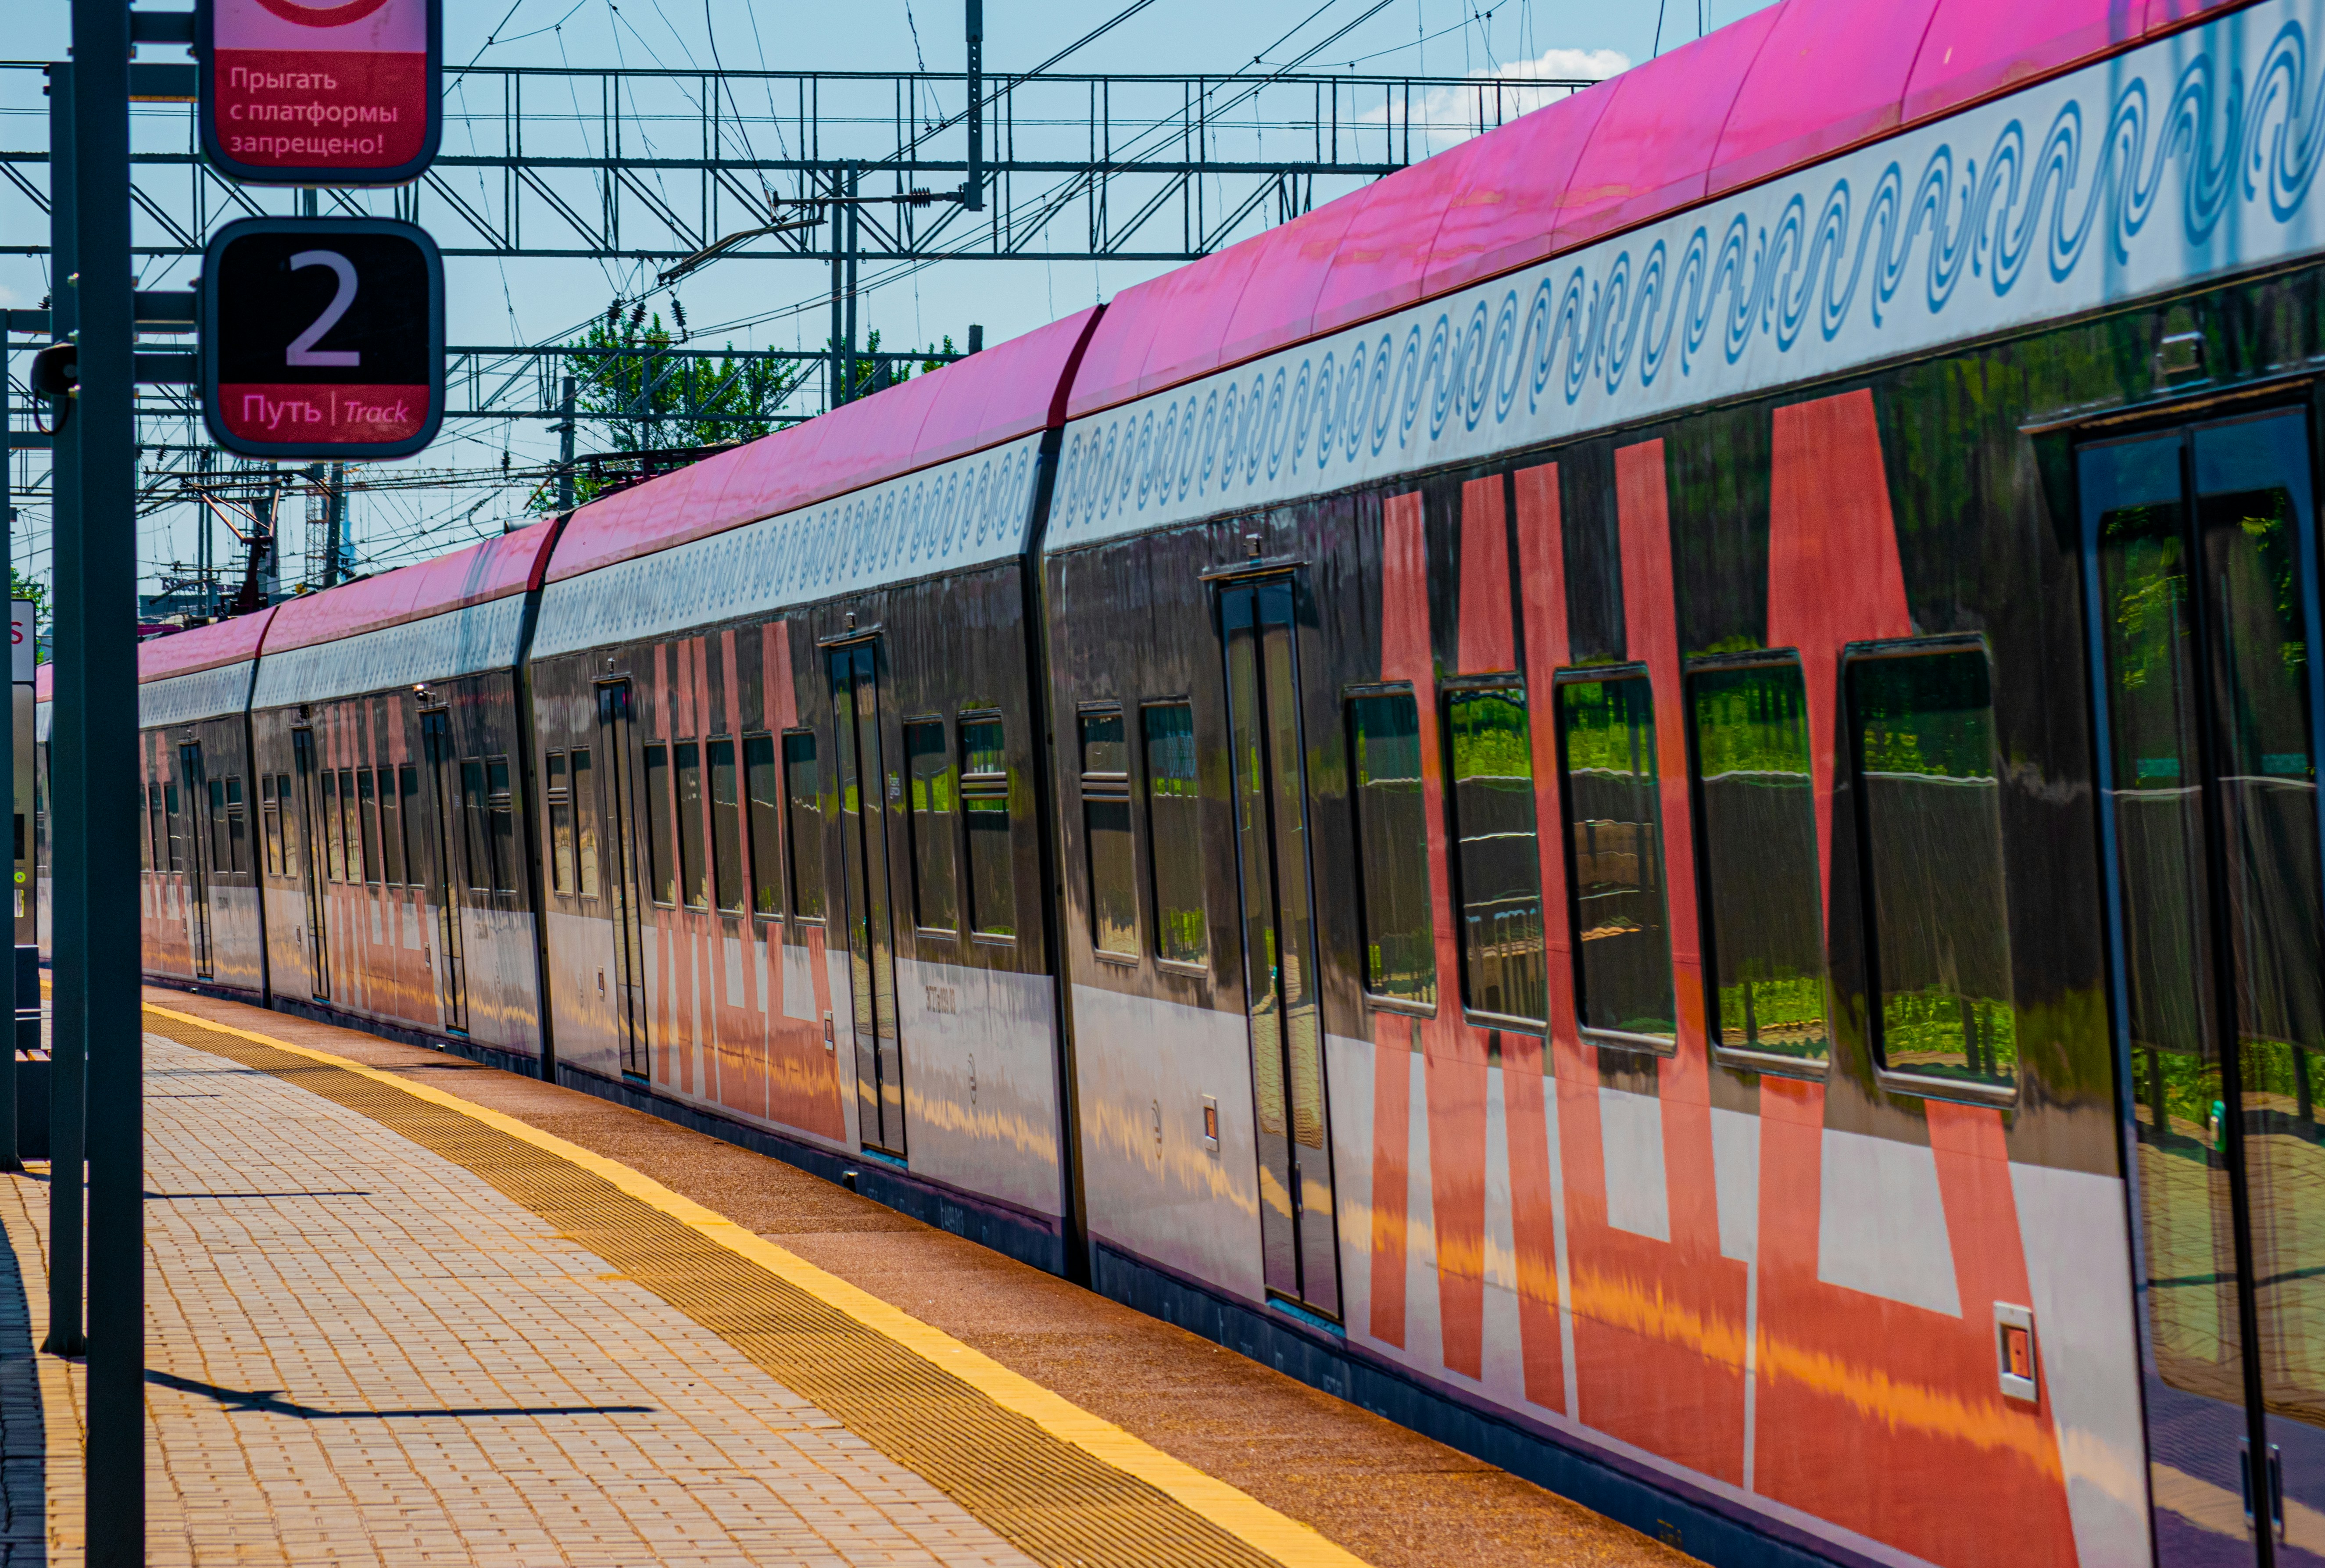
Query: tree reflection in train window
(803, 784)
(238, 830)
(661, 866)
(333, 852)
(934, 801)
(985, 805)
(1392, 848)
(726, 826)
(559, 813)
(479, 836)
(1105, 820)
(1765, 908)
(585, 812)
(765, 790)
(1933, 847)
(694, 875)
(1614, 842)
(270, 826)
(1495, 854)
(500, 803)
(1175, 833)
(367, 818)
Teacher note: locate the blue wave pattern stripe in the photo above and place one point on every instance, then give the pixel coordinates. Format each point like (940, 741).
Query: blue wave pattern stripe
(2186, 158)
(951, 517)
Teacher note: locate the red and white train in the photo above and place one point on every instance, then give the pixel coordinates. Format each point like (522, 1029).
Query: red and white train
(1647, 795)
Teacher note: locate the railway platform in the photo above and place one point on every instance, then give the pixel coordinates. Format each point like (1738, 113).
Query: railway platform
(404, 1309)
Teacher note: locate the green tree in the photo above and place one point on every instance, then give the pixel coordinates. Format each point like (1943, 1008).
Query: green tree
(23, 586)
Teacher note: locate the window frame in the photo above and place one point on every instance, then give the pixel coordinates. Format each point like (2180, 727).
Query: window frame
(661, 846)
(1591, 1034)
(764, 865)
(270, 826)
(797, 858)
(1111, 789)
(1699, 836)
(694, 890)
(1151, 888)
(1849, 733)
(730, 858)
(1379, 1002)
(1447, 692)
(988, 785)
(557, 800)
(916, 831)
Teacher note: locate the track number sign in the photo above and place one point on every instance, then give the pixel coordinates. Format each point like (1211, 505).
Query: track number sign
(322, 337)
(320, 92)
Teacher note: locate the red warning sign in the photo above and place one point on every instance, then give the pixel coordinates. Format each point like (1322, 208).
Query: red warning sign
(320, 92)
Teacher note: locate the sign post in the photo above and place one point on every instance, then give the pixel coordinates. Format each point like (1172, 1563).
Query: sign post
(320, 92)
(322, 337)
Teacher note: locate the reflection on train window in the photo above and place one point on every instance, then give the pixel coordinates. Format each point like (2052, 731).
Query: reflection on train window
(1392, 848)
(1105, 821)
(218, 860)
(154, 852)
(559, 813)
(585, 812)
(1174, 832)
(288, 815)
(1932, 852)
(1495, 852)
(502, 803)
(935, 803)
(803, 784)
(270, 825)
(334, 858)
(766, 814)
(479, 845)
(1615, 841)
(237, 829)
(661, 866)
(365, 787)
(726, 827)
(985, 806)
(1765, 913)
(351, 825)
(693, 876)
(407, 818)
(391, 831)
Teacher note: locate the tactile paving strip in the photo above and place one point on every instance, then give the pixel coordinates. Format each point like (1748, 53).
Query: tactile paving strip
(1056, 1502)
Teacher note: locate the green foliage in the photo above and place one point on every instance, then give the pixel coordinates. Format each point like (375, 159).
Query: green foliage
(1927, 715)
(1751, 721)
(1610, 727)
(23, 586)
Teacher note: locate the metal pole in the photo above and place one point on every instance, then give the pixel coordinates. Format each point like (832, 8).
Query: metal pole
(335, 523)
(972, 190)
(107, 610)
(855, 189)
(839, 288)
(68, 875)
(565, 451)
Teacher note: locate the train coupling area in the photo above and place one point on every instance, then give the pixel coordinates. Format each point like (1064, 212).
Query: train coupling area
(404, 1309)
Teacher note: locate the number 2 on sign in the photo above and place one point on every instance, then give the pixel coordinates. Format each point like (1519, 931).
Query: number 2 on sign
(302, 350)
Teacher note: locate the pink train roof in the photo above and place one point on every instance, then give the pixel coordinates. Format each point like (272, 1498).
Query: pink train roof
(1010, 390)
(227, 642)
(1799, 80)
(493, 570)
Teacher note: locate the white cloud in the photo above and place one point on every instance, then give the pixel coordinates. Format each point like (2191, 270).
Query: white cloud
(1447, 116)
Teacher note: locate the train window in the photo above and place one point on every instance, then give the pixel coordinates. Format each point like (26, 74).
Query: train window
(334, 869)
(1174, 858)
(803, 784)
(1932, 838)
(237, 829)
(270, 825)
(407, 820)
(391, 831)
(152, 826)
(1393, 848)
(585, 810)
(1615, 849)
(351, 824)
(1495, 854)
(560, 825)
(1106, 822)
(935, 791)
(286, 814)
(472, 814)
(500, 803)
(766, 814)
(726, 826)
(219, 858)
(661, 867)
(366, 788)
(174, 828)
(1764, 910)
(984, 809)
(693, 875)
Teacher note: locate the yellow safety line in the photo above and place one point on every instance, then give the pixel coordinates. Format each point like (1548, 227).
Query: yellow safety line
(1287, 1540)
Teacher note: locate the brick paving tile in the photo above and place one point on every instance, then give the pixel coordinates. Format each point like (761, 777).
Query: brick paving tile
(361, 1353)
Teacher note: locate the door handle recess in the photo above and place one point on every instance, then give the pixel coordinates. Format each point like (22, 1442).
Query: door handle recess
(2275, 1485)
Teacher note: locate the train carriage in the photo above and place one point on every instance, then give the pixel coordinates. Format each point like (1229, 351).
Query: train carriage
(394, 829)
(793, 763)
(1646, 796)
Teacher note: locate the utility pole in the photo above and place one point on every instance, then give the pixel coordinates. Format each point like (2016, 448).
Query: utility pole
(103, 598)
(972, 190)
(67, 827)
(335, 526)
(855, 190)
(565, 451)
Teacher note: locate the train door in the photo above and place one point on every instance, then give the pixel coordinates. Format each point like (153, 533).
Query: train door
(1297, 1233)
(2201, 569)
(194, 854)
(626, 881)
(867, 790)
(310, 868)
(442, 811)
